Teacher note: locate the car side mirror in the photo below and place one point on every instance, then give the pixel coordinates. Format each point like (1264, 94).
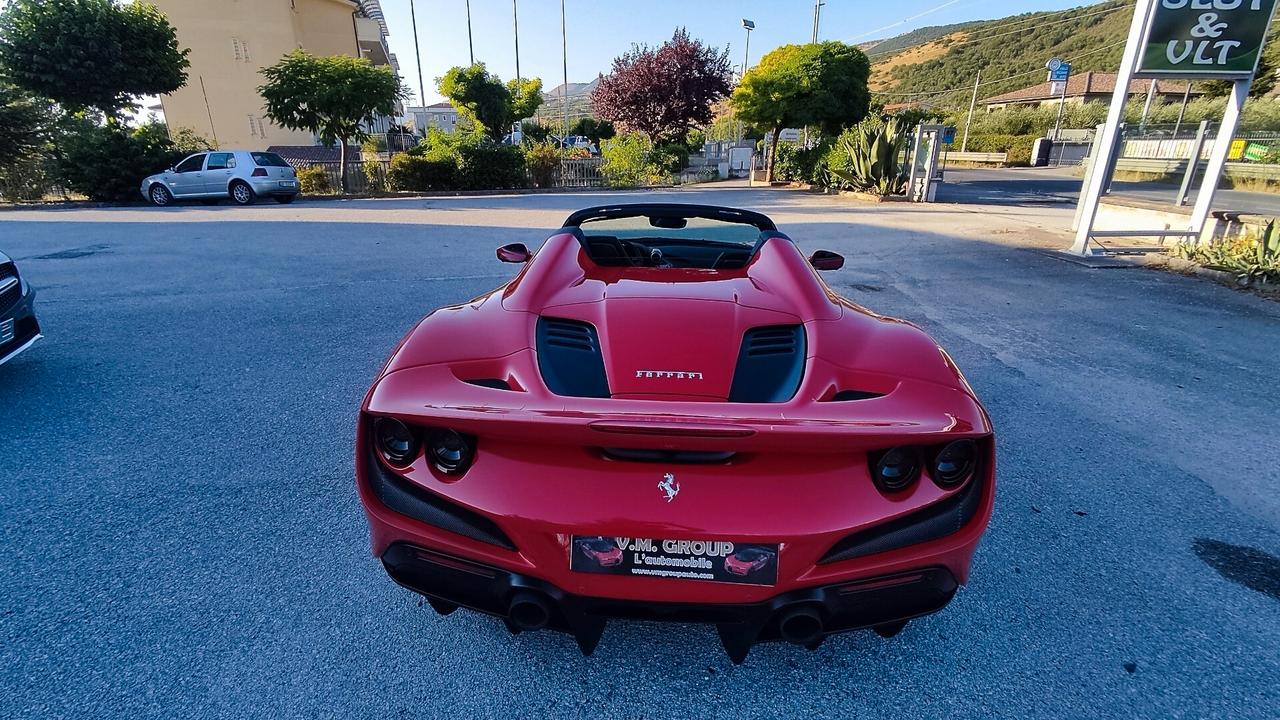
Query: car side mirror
(514, 253)
(171, 169)
(826, 260)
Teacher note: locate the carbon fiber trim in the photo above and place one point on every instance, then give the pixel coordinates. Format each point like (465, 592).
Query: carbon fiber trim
(425, 506)
(930, 523)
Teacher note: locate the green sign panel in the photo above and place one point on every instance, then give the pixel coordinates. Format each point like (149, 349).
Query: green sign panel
(1205, 38)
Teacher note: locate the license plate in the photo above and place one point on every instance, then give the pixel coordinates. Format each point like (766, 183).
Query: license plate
(287, 183)
(713, 560)
(6, 331)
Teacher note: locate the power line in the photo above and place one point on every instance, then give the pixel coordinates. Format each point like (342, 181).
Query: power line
(1009, 25)
(890, 26)
(997, 80)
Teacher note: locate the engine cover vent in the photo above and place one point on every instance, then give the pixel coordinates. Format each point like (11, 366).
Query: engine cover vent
(770, 364)
(569, 358)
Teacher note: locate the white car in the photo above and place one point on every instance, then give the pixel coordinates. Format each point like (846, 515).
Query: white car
(241, 175)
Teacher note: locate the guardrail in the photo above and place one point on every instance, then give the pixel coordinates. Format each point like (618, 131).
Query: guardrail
(984, 158)
(1155, 166)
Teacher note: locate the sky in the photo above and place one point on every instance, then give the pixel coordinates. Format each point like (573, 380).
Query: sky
(600, 30)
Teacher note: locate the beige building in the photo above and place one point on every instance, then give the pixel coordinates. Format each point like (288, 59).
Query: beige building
(232, 40)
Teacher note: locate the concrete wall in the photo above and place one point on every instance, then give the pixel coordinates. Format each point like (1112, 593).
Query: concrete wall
(230, 42)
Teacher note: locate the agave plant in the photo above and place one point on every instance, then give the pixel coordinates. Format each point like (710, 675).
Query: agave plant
(873, 151)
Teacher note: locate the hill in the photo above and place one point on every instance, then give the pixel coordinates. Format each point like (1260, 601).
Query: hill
(919, 36)
(1011, 53)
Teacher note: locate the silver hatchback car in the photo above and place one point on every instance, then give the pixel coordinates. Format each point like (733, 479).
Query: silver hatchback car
(241, 175)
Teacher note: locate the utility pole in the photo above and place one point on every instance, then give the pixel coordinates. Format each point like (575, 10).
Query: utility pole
(564, 53)
(964, 144)
(471, 48)
(515, 19)
(417, 52)
(817, 12)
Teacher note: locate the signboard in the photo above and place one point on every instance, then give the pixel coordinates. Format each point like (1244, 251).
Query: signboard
(1205, 38)
(1059, 71)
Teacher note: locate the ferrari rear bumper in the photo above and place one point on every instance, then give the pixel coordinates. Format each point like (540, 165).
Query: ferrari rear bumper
(805, 617)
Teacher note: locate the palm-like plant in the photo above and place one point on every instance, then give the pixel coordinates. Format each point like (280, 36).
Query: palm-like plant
(873, 150)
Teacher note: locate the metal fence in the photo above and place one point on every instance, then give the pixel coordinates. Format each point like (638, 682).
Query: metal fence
(370, 177)
(580, 173)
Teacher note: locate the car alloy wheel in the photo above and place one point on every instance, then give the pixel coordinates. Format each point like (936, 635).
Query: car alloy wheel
(160, 195)
(242, 194)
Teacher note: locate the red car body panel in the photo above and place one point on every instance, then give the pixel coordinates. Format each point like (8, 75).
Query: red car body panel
(800, 475)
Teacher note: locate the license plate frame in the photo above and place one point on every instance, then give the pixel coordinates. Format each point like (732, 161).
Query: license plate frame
(723, 561)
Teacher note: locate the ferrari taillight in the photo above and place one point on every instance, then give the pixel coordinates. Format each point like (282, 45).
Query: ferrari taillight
(954, 463)
(896, 468)
(450, 451)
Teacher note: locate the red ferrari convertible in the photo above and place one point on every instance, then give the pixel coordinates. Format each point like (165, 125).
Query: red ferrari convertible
(675, 383)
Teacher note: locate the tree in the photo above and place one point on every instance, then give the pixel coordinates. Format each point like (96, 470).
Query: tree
(597, 131)
(334, 97)
(24, 124)
(90, 53)
(491, 104)
(106, 162)
(664, 91)
(822, 85)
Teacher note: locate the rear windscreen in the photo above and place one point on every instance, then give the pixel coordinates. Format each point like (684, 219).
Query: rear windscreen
(702, 243)
(265, 159)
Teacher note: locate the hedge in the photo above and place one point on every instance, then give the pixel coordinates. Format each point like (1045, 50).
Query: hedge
(1018, 146)
(418, 173)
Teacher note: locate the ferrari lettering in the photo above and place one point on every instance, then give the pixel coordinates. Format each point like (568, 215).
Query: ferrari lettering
(673, 374)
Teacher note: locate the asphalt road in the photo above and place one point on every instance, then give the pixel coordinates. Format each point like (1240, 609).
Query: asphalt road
(181, 535)
(1062, 185)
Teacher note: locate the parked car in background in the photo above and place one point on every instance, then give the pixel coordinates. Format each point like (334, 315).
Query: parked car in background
(241, 175)
(578, 142)
(18, 325)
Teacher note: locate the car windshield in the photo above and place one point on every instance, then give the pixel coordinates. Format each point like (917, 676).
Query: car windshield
(750, 554)
(601, 545)
(266, 159)
(695, 243)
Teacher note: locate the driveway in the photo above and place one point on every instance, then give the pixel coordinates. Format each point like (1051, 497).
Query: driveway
(1003, 186)
(182, 537)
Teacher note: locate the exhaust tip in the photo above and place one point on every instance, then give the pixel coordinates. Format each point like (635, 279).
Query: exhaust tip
(529, 611)
(801, 625)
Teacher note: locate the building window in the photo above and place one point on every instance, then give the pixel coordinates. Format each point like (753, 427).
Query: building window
(253, 127)
(240, 50)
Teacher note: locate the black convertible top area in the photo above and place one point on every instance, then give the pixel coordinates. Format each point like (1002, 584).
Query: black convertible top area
(670, 235)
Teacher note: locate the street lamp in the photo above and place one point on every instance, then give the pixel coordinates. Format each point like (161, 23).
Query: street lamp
(749, 25)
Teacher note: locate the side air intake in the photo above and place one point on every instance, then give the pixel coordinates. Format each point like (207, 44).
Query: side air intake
(569, 358)
(770, 364)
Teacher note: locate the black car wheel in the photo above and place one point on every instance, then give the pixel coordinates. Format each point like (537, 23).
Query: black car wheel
(160, 195)
(285, 199)
(242, 194)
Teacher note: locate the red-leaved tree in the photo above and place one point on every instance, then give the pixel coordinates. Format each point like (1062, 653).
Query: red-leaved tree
(664, 91)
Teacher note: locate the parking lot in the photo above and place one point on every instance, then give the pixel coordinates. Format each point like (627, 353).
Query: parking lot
(182, 536)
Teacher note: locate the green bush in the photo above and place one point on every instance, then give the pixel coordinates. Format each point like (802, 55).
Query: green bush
(800, 164)
(670, 157)
(314, 180)
(1018, 146)
(418, 173)
(26, 179)
(108, 162)
(375, 176)
(628, 162)
(543, 161)
(491, 167)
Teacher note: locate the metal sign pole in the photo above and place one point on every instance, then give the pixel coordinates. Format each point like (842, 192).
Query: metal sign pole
(1193, 163)
(1092, 191)
(1218, 155)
